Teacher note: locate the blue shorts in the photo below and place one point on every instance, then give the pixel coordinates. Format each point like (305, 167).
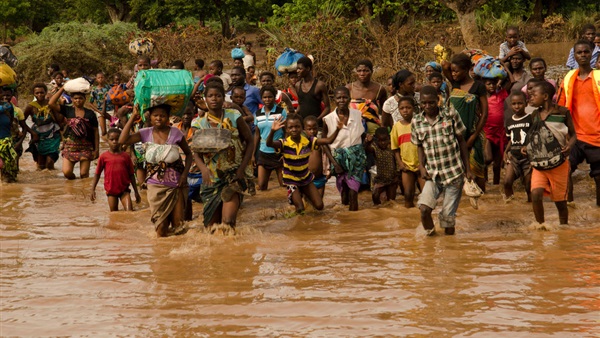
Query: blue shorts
(194, 181)
(320, 182)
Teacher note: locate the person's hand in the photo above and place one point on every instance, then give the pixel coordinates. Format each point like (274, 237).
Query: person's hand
(471, 141)
(566, 150)
(138, 198)
(469, 175)
(34, 137)
(135, 115)
(524, 151)
(93, 196)
(182, 181)
(253, 162)
(401, 167)
(424, 173)
(206, 176)
(240, 174)
(338, 169)
(278, 123)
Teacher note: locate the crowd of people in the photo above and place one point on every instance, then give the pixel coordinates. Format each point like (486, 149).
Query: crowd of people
(391, 138)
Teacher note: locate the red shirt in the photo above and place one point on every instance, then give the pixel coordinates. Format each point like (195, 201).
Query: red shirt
(118, 169)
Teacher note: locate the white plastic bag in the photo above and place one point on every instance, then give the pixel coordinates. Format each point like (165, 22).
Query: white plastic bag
(78, 85)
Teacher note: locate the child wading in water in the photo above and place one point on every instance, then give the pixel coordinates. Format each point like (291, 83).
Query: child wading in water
(315, 161)
(386, 180)
(296, 150)
(550, 139)
(517, 165)
(407, 154)
(118, 175)
(443, 160)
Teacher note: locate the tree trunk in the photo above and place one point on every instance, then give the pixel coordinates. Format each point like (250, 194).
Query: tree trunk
(465, 12)
(538, 8)
(468, 28)
(552, 6)
(118, 12)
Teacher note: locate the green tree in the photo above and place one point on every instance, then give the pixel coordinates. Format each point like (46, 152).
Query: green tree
(12, 14)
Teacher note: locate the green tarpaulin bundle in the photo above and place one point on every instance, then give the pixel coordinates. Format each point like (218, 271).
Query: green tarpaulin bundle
(164, 86)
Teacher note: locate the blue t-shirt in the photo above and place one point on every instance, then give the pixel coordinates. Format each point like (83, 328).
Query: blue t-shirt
(264, 122)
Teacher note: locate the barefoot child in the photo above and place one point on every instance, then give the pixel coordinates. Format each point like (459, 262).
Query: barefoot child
(550, 139)
(407, 154)
(268, 159)
(118, 175)
(315, 161)
(517, 165)
(443, 160)
(386, 180)
(296, 150)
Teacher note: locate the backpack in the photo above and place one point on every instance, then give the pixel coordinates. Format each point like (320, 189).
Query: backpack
(543, 148)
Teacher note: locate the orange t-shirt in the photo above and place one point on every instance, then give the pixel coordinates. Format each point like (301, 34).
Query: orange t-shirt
(585, 112)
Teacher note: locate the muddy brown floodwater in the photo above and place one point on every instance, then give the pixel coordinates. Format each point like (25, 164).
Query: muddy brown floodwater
(71, 268)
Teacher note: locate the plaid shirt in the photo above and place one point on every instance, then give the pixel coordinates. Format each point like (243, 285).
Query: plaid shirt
(442, 151)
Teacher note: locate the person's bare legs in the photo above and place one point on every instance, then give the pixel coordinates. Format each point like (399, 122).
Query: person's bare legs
(563, 212)
(313, 195)
(230, 210)
(263, 178)
(408, 182)
(509, 179)
(126, 201)
(113, 203)
(84, 168)
(537, 198)
(353, 197)
(67, 168)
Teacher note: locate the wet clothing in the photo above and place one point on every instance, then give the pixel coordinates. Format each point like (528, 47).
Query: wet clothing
(47, 130)
(118, 169)
(79, 135)
(466, 104)
(386, 166)
(163, 161)
(295, 160)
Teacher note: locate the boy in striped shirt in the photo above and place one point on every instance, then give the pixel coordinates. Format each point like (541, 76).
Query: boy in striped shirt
(296, 149)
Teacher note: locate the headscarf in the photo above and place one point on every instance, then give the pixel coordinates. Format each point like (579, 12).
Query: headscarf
(436, 66)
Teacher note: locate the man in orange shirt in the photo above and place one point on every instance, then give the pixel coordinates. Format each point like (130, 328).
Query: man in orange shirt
(580, 92)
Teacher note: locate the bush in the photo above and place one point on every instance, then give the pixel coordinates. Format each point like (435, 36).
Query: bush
(337, 43)
(80, 48)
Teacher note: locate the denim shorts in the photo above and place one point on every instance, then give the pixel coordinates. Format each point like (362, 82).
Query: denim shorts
(452, 195)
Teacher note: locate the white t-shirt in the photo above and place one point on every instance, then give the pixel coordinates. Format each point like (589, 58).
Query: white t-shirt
(349, 135)
(226, 80)
(390, 106)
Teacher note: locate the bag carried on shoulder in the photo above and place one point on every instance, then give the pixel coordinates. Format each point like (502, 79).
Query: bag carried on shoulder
(543, 148)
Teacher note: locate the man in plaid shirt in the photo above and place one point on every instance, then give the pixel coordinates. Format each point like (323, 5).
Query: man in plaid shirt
(443, 159)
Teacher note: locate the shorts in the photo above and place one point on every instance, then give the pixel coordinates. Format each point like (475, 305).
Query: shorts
(269, 161)
(194, 182)
(119, 195)
(452, 195)
(320, 182)
(584, 151)
(555, 181)
(521, 167)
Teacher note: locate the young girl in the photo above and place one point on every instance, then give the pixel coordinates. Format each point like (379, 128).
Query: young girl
(550, 139)
(296, 150)
(348, 159)
(494, 126)
(469, 98)
(407, 156)
(167, 174)
(386, 180)
(223, 174)
(118, 175)
(517, 165)
(268, 159)
(45, 136)
(81, 138)
(404, 83)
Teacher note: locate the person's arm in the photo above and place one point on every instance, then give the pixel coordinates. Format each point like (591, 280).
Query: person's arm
(246, 136)
(447, 71)
(464, 155)
(566, 150)
(387, 120)
(368, 144)
(188, 162)
(322, 89)
(329, 139)
(99, 170)
(510, 81)
(483, 104)
(288, 102)
(256, 145)
(23, 123)
(382, 97)
(277, 124)
(422, 163)
(125, 137)
(524, 50)
(96, 152)
(55, 106)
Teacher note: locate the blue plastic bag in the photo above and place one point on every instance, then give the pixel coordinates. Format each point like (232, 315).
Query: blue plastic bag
(287, 62)
(488, 67)
(164, 86)
(237, 53)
